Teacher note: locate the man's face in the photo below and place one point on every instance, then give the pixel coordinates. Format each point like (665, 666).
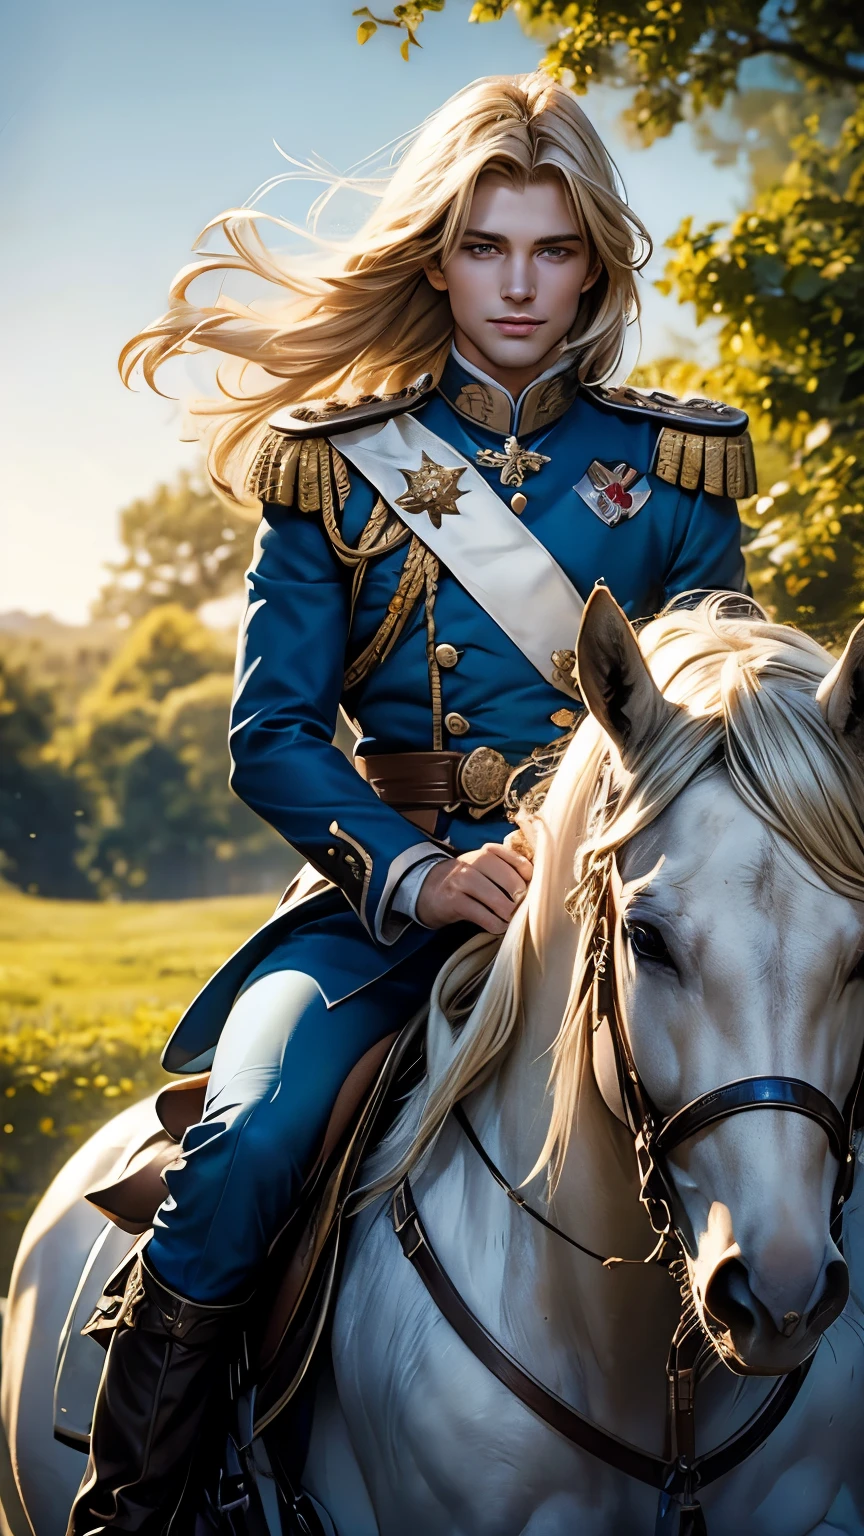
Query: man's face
(515, 281)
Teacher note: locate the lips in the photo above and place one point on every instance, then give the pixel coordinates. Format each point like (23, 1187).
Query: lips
(517, 325)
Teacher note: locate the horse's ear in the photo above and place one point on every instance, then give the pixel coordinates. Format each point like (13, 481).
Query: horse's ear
(614, 681)
(840, 695)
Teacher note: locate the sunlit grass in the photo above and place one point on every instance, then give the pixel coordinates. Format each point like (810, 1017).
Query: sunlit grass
(89, 993)
(92, 955)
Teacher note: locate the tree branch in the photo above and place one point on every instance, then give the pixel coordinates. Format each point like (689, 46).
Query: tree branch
(831, 69)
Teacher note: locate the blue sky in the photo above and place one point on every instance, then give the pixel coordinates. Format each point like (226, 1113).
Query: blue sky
(123, 129)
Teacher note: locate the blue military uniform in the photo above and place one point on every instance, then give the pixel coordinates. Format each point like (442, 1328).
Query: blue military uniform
(346, 606)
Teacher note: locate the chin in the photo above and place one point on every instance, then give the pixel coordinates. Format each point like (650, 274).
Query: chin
(517, 352)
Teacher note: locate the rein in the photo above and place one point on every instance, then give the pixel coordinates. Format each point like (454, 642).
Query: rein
(655, 1135)
(675, 1480)
(465, 1125)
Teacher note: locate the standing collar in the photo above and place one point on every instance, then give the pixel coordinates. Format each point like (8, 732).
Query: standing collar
(474, 394)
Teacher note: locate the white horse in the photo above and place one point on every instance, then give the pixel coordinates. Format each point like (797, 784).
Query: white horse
(713, 811)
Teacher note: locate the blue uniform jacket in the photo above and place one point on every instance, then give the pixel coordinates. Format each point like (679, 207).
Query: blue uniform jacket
(299, 632)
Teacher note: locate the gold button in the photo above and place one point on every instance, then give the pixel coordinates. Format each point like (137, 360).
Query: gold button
(564, 718)
(518, 502)
(446, 655)
(457, 725)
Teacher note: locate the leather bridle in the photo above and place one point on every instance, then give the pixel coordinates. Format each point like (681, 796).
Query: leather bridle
(655, 1136)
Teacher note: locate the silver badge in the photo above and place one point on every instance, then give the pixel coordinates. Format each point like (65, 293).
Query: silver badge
(613, 492)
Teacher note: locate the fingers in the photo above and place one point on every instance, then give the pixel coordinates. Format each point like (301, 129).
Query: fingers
(472, 883)
(483, 887)
(471, 911)
(511, 875)
(511, 855)
(518, 841)
(491, 895)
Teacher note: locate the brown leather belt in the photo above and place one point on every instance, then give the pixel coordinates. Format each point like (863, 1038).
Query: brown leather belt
(435, 781)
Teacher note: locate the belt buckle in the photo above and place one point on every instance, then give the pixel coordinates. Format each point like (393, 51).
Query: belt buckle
(482, 778)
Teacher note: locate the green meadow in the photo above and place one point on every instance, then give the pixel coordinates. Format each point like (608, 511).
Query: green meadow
(89, 992)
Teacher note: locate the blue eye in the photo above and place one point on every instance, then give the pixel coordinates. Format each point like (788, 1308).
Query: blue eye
(648, 943)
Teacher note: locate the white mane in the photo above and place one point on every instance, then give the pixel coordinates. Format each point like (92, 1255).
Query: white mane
(746, 691)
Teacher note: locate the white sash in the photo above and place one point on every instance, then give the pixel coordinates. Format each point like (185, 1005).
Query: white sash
(489, 551)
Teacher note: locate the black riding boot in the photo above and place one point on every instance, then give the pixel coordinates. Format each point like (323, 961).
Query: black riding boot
(165, 1383)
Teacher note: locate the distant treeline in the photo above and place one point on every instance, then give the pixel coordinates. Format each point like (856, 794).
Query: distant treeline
(113, 750)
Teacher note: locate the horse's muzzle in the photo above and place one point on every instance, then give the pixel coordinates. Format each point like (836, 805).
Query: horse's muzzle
(745, 1331)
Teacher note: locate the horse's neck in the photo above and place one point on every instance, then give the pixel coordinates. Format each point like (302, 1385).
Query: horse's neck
(612, 1327)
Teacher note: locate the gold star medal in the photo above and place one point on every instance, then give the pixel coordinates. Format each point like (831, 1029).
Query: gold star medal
(432, 489)
(514, 463)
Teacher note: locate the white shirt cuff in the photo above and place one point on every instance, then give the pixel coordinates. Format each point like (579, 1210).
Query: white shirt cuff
(399, 908)
(407, 891)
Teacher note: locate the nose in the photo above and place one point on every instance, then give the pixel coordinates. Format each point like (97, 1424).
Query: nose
(518, 285)
(765, 1340)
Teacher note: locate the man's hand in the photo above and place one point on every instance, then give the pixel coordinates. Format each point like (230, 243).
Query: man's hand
(483, 887)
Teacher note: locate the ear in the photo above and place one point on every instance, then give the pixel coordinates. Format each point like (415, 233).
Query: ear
(592, 274)
(436, 276)
(840, 695)
(614, 681)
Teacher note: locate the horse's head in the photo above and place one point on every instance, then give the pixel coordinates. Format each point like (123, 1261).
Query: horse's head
(734, 866)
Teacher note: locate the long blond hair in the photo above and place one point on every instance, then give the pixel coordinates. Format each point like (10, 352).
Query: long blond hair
(368, 319)
(747, 691)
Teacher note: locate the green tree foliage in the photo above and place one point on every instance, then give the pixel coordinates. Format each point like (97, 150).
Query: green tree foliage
(41, 809)
(150, 748)
(788, 284)
(183, 545)
(784, 285)
(113, 745)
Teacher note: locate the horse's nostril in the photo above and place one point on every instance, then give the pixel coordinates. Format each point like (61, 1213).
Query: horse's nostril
(728, 1297)
(730, 1301)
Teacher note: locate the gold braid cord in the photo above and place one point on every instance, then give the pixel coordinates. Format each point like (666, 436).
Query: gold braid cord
(430, 571)
(722, 466)
(411, 584)
(310, 473)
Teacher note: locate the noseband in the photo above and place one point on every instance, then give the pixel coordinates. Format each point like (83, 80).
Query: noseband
(656, 1135)
(679, 1478)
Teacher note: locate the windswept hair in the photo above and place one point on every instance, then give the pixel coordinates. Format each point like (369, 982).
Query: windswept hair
(747, 695)
(366, 318)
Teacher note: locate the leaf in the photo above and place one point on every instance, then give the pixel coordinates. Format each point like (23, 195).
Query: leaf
(769, 272)
(366, 30)
(806, 283)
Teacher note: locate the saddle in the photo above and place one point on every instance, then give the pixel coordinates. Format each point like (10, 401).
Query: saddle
(290, 1308)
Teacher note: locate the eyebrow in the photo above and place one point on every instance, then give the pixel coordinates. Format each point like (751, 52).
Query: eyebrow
(488, 234)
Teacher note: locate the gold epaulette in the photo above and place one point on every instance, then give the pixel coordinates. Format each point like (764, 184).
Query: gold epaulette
(328, 417)
(703, 444)
(299, 472)
(722, 466)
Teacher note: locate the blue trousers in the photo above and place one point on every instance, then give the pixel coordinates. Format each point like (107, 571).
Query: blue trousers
(282, 1057)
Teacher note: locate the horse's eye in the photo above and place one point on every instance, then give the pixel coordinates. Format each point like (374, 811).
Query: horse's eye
(648, 943)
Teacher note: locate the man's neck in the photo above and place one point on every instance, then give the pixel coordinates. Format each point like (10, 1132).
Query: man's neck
(514, 380)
